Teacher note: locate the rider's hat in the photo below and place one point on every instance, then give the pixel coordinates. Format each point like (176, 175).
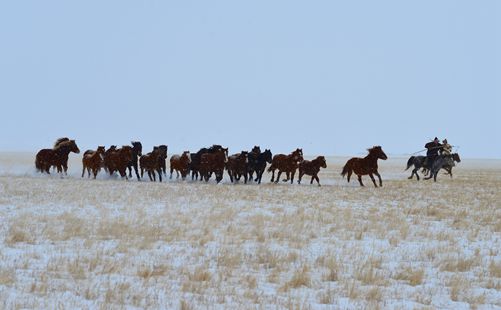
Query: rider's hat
(436, 139)
(445, 141)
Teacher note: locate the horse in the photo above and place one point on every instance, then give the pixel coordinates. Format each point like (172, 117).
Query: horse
(112, 148)
(92, 160)
(366, 165)
(252, 156)
(441, 162)
(118, 160)
(137, 151)
(197, 157)
(257, 163)
(237, 166)
(180, 164)
(311, 168)
(57, 157)
(163, 158)
(286, 163)
(213, 163)
(151, 163)
(418, 162)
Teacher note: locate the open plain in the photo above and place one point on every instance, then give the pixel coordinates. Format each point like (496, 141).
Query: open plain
(115, 244)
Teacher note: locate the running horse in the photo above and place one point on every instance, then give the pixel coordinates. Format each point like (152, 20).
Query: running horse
(181, 164)
(92, 161)
(196, 159)
(151, 163)
(366, 165)
(118, 160)
(311, 168)
(137, 150)
(237, 166)
(286, 163)
(258, 164)
(213, 163)
(445, 162)
(57, 157)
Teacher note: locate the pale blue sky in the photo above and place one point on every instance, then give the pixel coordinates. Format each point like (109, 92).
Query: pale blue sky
(332, 77)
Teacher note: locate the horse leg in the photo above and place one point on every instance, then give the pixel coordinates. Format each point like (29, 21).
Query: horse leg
(95, 173)
(349, 175)
(88, 172)
(318, 180)
(292, 176)
(130, 171)
(373, 180)
(299, 177)
(160, 174)
(272, 176)
(278, 176)
(287, 177)
(245, 178)
(360, 180)
(136, 171)
(83, 171)
(379, 177)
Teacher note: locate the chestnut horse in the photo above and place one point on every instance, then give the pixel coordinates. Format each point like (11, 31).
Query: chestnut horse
(58, 156)
(137, 151)
(118, 160)
(366, 165)
(151, 162)
(213, 163)
(237, 166)
(286, 163)
(93, 160)
(180, 164)
(196, 159)
(311, 168)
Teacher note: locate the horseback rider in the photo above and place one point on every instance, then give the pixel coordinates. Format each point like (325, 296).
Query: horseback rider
(446, 148)
(433, 148)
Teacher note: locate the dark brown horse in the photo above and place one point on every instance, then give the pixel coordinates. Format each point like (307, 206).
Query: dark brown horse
(151, 162)
(286, 163)
(366, 165)
(181, 164)
(93, 160)
(163, 158)
(196, 159)
(137, 151)
(311, 168)
(118, 160)
(237, 166)
(57, 157)
(213, 163)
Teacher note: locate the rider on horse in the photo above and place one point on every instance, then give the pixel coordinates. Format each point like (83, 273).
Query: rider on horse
(433, 148)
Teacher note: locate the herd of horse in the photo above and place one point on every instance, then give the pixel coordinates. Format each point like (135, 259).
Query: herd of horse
(215, 160)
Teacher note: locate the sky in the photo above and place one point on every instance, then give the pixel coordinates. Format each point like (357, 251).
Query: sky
(332, 77)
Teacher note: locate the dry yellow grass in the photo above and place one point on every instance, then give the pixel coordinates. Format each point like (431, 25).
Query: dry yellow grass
(114, 244)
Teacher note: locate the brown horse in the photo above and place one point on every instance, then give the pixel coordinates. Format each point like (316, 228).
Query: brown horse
(366, 165)
(57, 157)
(180, 164)
(311, 168)
(238, 165)
(213, 163)
(286, 163)
(118, 160)
(93, 160)
(151, 162)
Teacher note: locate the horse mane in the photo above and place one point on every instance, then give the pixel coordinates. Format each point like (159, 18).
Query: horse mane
(61, 144)
(61, 140)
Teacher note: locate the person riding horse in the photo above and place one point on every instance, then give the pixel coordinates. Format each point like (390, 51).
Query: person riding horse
(433, 148)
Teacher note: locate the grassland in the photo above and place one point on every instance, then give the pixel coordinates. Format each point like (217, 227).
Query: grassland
(111, 244)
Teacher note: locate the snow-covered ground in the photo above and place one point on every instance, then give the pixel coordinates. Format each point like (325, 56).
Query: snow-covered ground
(108, 243)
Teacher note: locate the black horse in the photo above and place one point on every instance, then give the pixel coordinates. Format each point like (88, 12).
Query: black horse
(258, 164)
(137, 150)
(445, 162)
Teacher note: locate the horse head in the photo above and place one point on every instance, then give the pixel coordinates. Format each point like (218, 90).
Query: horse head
(322, 161)
(73, 147)
(456, 158)
(100, 150)
(298, 155)
(256, 149)
(245, 155)
(268, 156)
(137, 147)
(378, 152)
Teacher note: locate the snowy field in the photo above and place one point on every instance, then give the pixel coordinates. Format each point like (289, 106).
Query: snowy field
(110, 244)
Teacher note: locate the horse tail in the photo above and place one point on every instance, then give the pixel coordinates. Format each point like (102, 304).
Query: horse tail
(409, 162)
(346, 169)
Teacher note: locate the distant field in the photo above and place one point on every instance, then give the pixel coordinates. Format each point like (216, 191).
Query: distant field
(108, 243)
